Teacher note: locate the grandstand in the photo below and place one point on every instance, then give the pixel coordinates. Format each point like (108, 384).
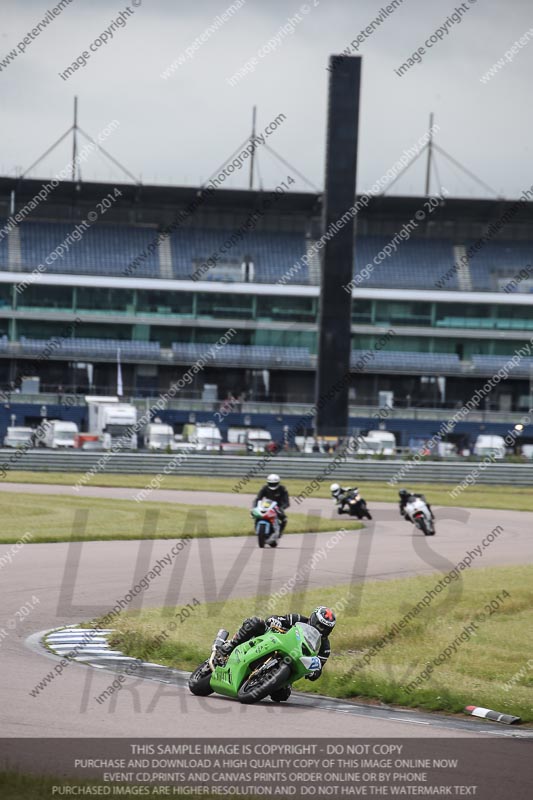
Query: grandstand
(160, 293)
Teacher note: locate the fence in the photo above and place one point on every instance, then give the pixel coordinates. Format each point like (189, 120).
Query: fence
(353, 470)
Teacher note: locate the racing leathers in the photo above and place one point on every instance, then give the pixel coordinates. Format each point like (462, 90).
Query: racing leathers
(407, 499)
(281, 496)
(342, 498)
(255, 626)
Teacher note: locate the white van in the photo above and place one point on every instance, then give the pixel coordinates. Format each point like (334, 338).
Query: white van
(202, 436)
(158, 436)
(490, 446)
(60, 434)
(255, 440)
(377, 443)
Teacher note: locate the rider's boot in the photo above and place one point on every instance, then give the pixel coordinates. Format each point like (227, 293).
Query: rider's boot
(281, 695)
(254, 626)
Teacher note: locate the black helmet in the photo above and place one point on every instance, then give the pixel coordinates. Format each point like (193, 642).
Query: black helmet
(404, 493)
(273, 481)
(323, 619)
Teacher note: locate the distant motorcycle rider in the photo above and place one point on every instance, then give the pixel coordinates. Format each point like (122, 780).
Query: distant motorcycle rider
(322, 618)
(406, 497)
(341, 495)
(274, 490)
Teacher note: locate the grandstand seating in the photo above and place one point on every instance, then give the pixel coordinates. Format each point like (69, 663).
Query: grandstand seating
(272, 357)
(244, 355)
(489, 365)
(92, 348)
(498, 262)
(101, 250)
(416, 264)
(399, 361)
(267, 357)
(272, 253)
(3, 248)
(108, 249)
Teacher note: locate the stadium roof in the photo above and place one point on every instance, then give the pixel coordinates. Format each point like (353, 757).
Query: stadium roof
(391, 208)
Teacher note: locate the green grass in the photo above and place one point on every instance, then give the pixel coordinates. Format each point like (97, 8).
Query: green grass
(51, 518)
(515, 498)
(474, 674)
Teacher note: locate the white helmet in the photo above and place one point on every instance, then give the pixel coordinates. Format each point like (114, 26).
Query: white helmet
(335, 489)
(273, 480)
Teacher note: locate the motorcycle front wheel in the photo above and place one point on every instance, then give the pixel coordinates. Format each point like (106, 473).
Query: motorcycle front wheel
(200, 680)
(422, 524)
(261, 536)
(261, 685)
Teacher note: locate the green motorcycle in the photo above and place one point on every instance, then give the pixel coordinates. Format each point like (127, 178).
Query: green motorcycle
(260, 667)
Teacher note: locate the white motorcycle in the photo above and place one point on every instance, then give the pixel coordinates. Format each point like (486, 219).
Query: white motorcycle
(419, 514)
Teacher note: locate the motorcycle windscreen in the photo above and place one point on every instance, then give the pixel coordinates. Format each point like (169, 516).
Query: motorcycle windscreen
(311, 636)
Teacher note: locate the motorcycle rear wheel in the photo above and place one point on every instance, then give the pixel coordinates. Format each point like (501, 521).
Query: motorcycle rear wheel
(257, 687)
(200, 680)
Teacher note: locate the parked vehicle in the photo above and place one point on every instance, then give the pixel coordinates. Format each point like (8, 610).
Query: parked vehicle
(446, 449)
(60, 434)
(119, 420)
(158, 436)
(311, 444)
(260, 667)
(490, 446)
(255, 440)
(267, 524)
(377, 443)
(19, 437)
(93, 441)
(233, 447)
(419, 514)
(306, 444)
(202, 435)
(527, 450)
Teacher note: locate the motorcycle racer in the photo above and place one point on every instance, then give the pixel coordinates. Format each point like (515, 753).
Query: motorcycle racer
(406, 496)
(340, 495)
(274, 490)
(321, 618)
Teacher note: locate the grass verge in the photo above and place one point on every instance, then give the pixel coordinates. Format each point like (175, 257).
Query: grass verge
(496, 652)
(51, 518)
(513, 498)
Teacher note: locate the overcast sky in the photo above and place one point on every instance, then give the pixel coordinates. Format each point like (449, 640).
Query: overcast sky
(179, 130)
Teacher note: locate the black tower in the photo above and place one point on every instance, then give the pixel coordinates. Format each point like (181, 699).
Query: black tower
(334, 343)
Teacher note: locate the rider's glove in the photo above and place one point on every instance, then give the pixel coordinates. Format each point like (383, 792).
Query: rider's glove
(314, 676)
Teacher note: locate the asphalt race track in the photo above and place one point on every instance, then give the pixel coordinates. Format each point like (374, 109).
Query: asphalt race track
(77, 581)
